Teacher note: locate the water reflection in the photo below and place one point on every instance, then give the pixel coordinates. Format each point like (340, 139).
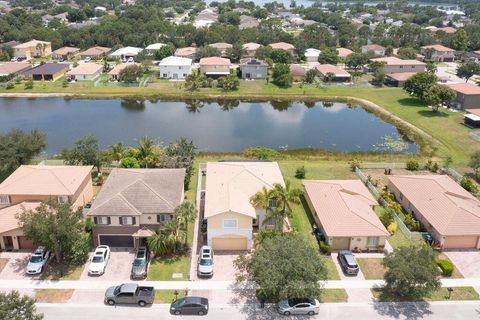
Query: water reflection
(133, 105)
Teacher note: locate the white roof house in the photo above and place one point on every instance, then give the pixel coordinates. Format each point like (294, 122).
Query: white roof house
(175, 61)
(176, 68)
(126, 52)
(311, 54)
(154, 46)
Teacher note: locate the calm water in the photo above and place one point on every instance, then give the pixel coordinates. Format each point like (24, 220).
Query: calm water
(213, 126)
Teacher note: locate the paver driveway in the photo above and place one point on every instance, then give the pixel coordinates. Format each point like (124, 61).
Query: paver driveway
(118, 267)
(15, 267)
(467, 262)
(223, 268)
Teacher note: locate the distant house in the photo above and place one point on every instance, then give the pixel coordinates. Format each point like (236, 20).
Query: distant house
(215, 66)
(95, 52)
(378, 50)
(442, 206)
(297, 71)
(398, 79)
(438, 53)
(33, 49)
(344, 212)
(248, 22)
(337, 74)
(311, 54)
(176, 68)
(28, 186)
(13, 68)
(62, 17)
(449, 30)
(133, 204)
(396, 65)
(154, 47)
(113, 75)
(126, 52)
(468, 96)
(474, 56)
(205, 18)
(253, 68)
(47, 72)
(344, 52)
(187, 52)
(250, 49)
(283, 46)
(222, 47)
(65, 53)
(85, 71)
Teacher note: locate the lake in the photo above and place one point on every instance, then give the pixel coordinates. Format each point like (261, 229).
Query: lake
(213, 126)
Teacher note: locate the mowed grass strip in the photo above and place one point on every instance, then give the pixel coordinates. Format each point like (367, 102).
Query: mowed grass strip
(458, 294)
(53, 295)
(372, 268)
(163, 268)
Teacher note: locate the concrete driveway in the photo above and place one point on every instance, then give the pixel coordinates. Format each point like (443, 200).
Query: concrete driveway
(118, 267)
(223, 268)
(467, 262)
(354, 295)
(15, 267)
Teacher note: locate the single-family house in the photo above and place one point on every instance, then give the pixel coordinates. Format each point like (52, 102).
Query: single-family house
(377, 49)
(215, 66)
(222, 47)
(152, 48)
(114, 74)
(442, 206)
(297, 71)
(398, 79)
(32, 49)
(231, 218)
(205, 18)
(187, 52)
(252, 68)
(311, 55)
(65, 53)
(176, 68)
(133, 204)
(62, 17)
(248, 22)
(28, 186)
(438, 53)
(13, 68)
(344, 52)
(344, 212)
(95, 52)
(468, 96)
(85, 71)
(329, 72)
(126, 53)
(250, 49)
(283, 46)
(472, 117)
(47, 71)
(396, 65)
(448, 30)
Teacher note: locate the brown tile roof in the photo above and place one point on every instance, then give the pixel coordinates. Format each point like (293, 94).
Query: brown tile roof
(14, 67)
(66, 50)
(85, 68)
(282, 46)
(343, 52)
(400, 76)
(31, 43)
(119, 67)
(214, 61)
(251, 46)
(449, 208)
(373, 47)
(45, 180)
(221, 45)
(394, 61)
(344, 208)
(437, 47)
(96, 51)
(297, 70)
(465, 88)
(330, 68)
(187, 51)
(8, 220)
(137, 191)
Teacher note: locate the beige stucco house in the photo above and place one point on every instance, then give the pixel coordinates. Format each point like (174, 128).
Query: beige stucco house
(468, 96)
(344, 212)
(134, 203)
(28, 186)
(215, 66)
(33, 49)
(231, 218)
(396, 65)
(443, 207)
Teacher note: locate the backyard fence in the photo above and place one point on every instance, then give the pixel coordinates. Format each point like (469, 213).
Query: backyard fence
(410, 235)
(452, 174)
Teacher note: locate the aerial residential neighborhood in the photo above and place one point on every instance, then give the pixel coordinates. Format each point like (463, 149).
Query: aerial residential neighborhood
(239, 159)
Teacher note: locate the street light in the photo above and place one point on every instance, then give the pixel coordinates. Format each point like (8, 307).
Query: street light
(450, 290)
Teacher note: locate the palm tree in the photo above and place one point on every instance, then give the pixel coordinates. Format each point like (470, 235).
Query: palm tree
(261, 199)
(147, 152)
(186, 213)
(157, 243)
(278, 215)
(286, 196)
(115, 151)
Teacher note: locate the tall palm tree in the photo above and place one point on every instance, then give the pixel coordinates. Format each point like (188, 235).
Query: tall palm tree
(158, 243)
(115, 151)
(147, 152)
(286, 196)
(261, 199)
(173, 232)
(186, 213)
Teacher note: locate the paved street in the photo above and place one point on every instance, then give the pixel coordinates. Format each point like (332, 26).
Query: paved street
(422, 310)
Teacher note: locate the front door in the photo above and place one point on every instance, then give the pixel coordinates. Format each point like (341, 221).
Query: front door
(8, 241)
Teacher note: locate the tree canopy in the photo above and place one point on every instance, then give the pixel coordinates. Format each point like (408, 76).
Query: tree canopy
(281, 75)
(468, 69)
(13, 306)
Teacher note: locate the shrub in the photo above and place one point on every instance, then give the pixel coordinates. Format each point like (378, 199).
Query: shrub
(468, 184)
(392, 227)
(129, 162)
(354, 163)
(265, 234)
(300, 172)
(260, 153)
(413, 165)
(324, 247)
(411, 223)
(29, 84)
(446, 266)
(431, 166)
(80, 250)
(10, 85)
(386, 218)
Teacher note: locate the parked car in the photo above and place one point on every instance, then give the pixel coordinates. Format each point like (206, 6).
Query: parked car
(87, 59)
(205, 262)
(299, 306)
(61, 60)
(38, 261)
(140, 264)
(129, 60)
(190, 305)
(348, 262)
(130, 293)
(99, 261)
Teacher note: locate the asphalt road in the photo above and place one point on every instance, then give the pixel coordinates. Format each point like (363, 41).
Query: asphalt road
(421, 310)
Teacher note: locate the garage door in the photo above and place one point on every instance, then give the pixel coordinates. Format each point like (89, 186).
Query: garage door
(341, 243)
(230, 243)
(117, 241)
(25, 243)
(460, 242)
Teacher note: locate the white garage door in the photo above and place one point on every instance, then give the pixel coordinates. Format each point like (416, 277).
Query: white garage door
(341, 243)
(460, 242)
(230, 243)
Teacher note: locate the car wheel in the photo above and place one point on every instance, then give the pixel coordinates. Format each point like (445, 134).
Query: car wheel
(286, 313)
(142, 303)
(201, 313)
(177, 312)
(111, 302)
(311, 313)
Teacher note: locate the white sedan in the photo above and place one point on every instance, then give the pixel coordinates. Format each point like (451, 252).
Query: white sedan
(99, 261)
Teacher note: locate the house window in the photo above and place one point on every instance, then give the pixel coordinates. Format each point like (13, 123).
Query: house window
(4, 199)
(401, 67)
(62, 199)
(126, 220)
(372, 241)
(272, 203)
(164, 75)
(161, 218)
(102, 220)
(230, 223)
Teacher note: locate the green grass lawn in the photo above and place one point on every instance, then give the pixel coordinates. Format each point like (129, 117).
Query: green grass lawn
(162, 269)
(62, 272)
(371, 268)
(458, 294)
(456, 273)
(333, 295)
(167, 296)
(331, 269)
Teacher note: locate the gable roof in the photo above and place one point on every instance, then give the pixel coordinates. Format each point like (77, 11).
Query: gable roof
(126, 51)
(132, 192)
(312, 52)
(330, 68)
(343, 52)
(282, 46)
(230, 185)
(14, 67)
(400, 76)
(214, 61)
(344, 208)
(221, 45)
(96, 51)
(45, 180)
(187, 51)
(373, 47)
(449, 208)
(394, 61)
(85, 68)
(465, 88)
(119, 67)
(66, 50)
(252, 62)
(47, 68)
(437, 47)
(8, 220)
(297, 70)
(175, 61)
(155, 46)
(30, 44)
(251, 46)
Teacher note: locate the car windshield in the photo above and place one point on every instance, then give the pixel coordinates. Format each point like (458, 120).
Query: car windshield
(206, 262)
(97, 259)
(138, 262)
(36, 259)
(351, 260)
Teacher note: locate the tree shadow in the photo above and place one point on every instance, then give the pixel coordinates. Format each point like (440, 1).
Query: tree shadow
(433, 114)
(408, 310)
(411, 102)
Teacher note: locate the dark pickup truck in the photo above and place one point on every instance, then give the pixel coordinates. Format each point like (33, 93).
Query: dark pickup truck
(130, 293)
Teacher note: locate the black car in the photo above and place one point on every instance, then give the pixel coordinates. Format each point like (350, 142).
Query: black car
(347, 262)
(190, 305)
(140, 264)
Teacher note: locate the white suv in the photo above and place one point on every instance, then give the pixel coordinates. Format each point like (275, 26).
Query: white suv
(99, 261)
(38, 260)
(205, 262)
